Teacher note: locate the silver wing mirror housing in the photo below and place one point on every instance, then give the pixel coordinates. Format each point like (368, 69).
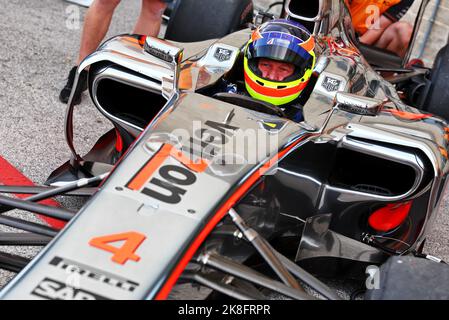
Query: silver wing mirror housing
(169, 53)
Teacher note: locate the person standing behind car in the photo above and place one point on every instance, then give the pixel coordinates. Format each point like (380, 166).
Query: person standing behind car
(96, 25)
(377, 23)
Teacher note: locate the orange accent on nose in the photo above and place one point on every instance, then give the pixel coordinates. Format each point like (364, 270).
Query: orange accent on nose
(197, 166)
(147, 171)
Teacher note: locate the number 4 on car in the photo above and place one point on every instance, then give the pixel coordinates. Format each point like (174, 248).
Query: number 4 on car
(132, 241)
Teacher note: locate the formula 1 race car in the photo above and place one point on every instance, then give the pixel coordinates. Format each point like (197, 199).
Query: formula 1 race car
(223, 190)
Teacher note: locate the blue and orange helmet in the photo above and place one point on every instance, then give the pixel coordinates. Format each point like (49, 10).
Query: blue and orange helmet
(281, 40)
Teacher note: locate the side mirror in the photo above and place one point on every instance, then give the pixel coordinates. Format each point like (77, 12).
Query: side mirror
(170, 53)
(356, 104)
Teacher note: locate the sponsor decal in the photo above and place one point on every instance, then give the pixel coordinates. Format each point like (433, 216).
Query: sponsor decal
(173, 179)
(70, 266)
(222, 54)
(169, 188)
(210, 140)
(54, 290)
(331, 84)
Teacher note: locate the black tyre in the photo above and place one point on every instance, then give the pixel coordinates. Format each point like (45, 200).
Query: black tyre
(410, 278)
(437, 101)
(198, 20)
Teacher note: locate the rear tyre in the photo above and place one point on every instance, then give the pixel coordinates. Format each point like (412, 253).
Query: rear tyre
(437, 101)
(198, 20)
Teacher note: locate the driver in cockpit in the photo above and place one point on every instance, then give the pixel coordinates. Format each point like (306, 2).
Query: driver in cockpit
(278, 62)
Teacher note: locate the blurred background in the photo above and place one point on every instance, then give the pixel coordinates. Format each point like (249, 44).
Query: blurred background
(432, 35)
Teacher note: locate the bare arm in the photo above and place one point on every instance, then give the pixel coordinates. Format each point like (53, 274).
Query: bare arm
(373, 35)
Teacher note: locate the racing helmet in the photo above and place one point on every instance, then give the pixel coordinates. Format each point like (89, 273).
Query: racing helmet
(285, 41)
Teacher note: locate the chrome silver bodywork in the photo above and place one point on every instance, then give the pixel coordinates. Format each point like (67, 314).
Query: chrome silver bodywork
(395, 132)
